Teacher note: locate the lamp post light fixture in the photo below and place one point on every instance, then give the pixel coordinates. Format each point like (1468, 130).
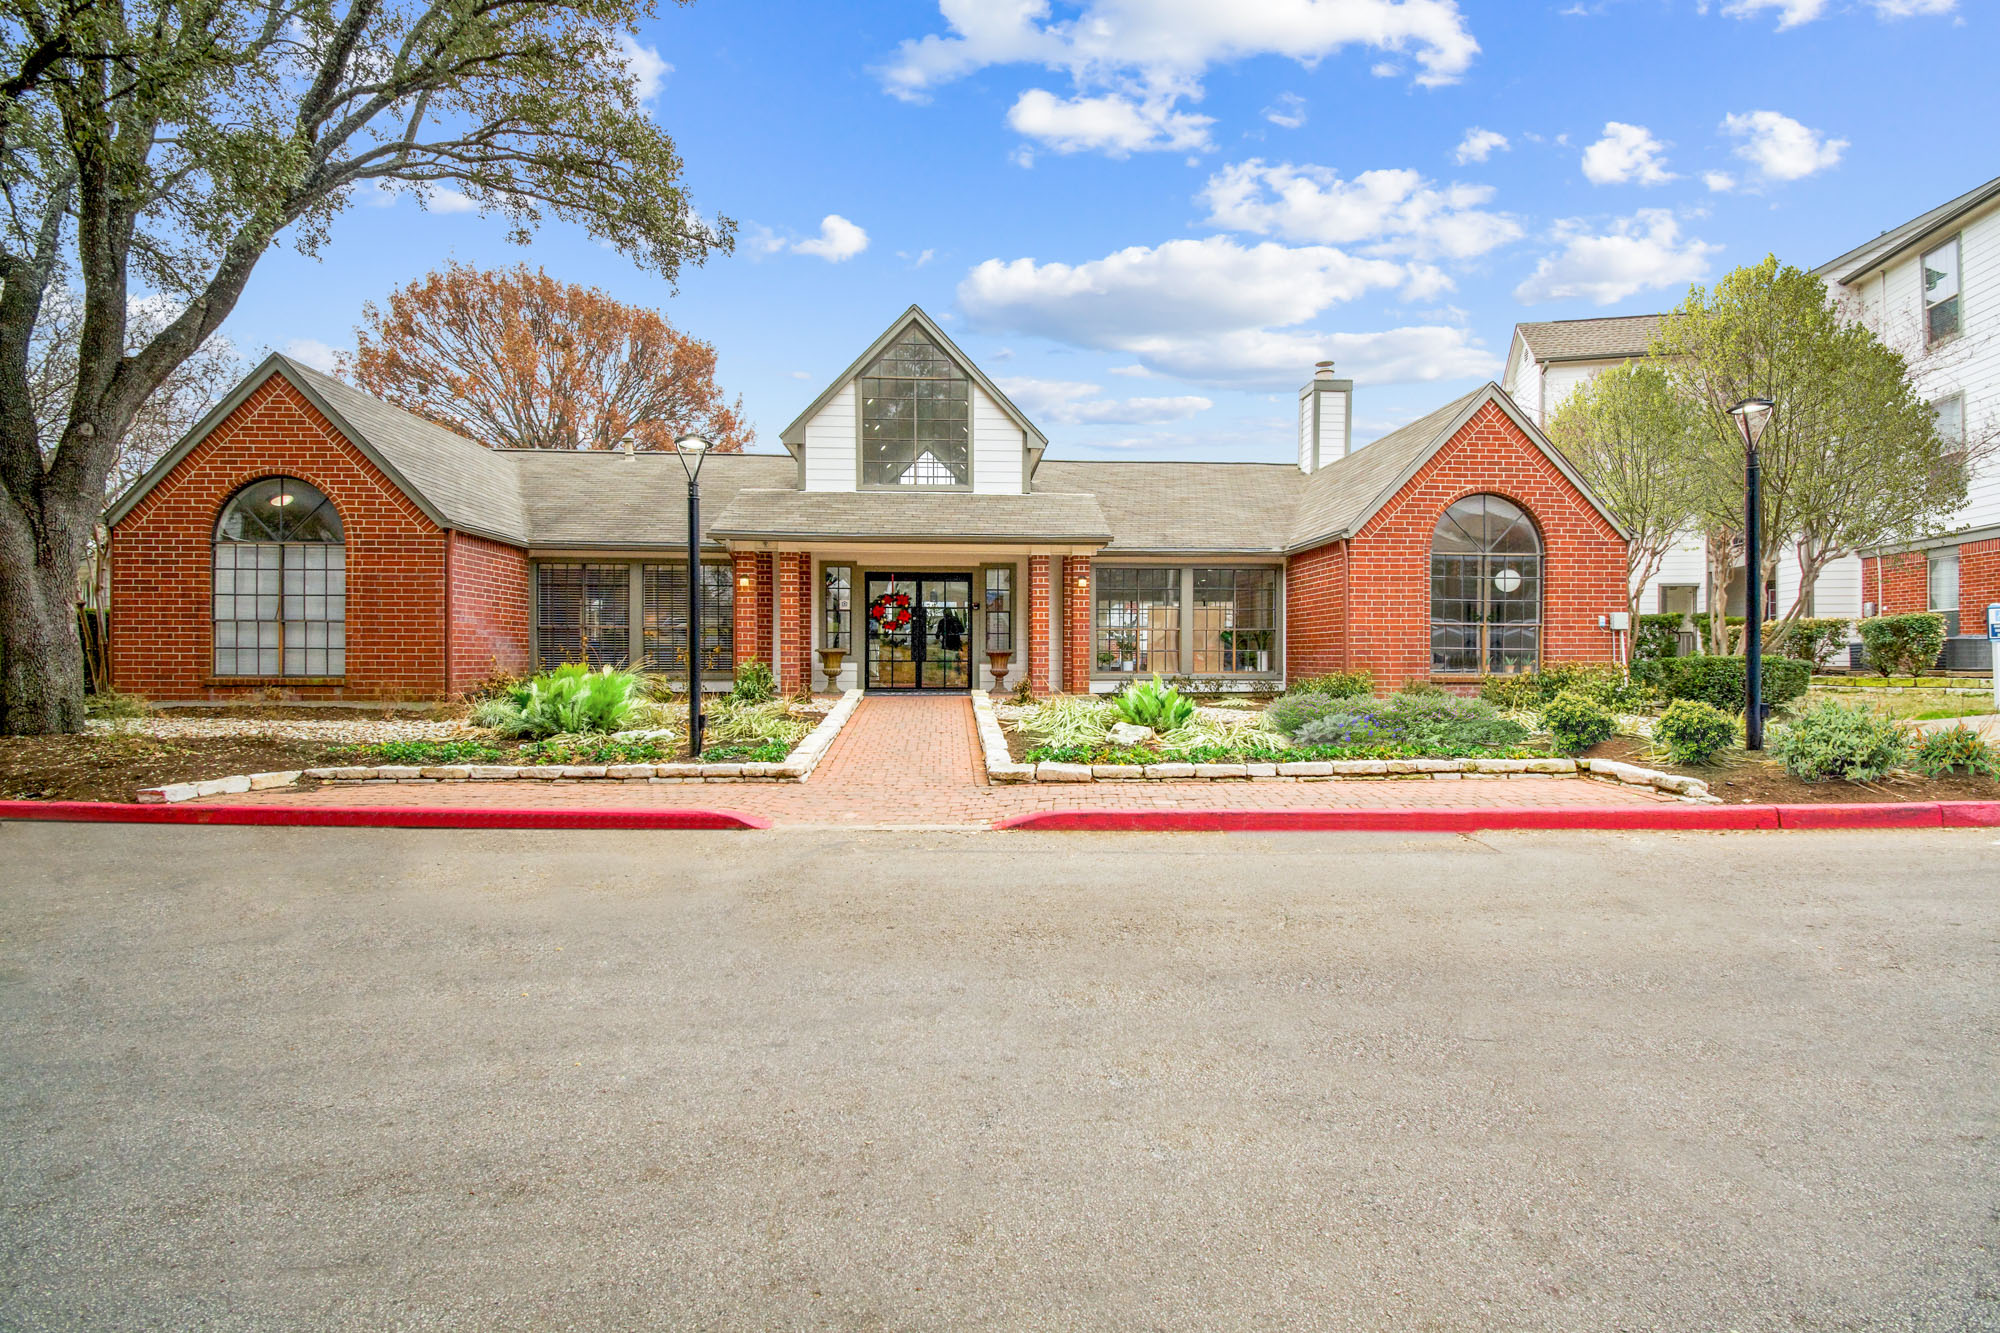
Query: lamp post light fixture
(696, 447)
(1752, 416)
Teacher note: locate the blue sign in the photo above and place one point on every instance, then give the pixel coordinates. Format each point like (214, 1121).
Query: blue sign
(1993, 621)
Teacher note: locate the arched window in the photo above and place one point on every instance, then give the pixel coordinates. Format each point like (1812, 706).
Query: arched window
(1486, 589)
(280, 583)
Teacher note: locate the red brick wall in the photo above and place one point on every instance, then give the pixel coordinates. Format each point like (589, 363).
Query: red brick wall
(1583, 558)
(1900, 584)
(1978, 584)
(1315, 623)
(490, 591)
(162, 563)
(1076, 602)
(1040, 623)
(795, 618)
(753, 605)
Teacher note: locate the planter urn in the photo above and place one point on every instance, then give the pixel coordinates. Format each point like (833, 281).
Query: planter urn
(998, 661)
(830, 660)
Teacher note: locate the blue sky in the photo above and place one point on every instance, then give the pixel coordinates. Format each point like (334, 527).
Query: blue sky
(1147, 218)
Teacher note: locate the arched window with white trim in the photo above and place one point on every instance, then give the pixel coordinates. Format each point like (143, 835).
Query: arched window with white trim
(280, 583)
(1486, 589)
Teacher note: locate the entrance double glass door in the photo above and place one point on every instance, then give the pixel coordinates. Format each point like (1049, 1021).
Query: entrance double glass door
(919, 631)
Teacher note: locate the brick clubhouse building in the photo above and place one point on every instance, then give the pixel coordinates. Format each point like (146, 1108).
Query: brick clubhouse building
(309, 539)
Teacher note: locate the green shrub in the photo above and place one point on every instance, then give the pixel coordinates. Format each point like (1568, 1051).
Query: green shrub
(1831, 740)
(1153, 704)
(1813, 639)
(1290, 712)
(1336, 685)
(598, 750)
(769, 752)
(754, 682)
(1602, 683)
(1656, 636)
(1720, 680)
(1439, 723)
(570, 699)
(1692, 732)
(1903, 645)
(1575, 722)
(1957, 749)
(111, 706)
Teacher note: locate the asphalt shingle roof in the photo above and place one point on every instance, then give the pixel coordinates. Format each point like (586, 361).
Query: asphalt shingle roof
(1185, 506)
(609, 498)
(1589, 339)
(910, 516)
(1340, 496)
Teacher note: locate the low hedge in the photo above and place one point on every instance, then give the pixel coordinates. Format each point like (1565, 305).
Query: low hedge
(1813, 639)
(1720, 680)
(1657, 636)
(1903, 645)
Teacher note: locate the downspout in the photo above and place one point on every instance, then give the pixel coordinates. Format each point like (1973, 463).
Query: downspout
(448, 581)
(1346, 605)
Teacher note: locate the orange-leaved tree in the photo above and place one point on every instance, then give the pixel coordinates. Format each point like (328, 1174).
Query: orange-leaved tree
(515, 359)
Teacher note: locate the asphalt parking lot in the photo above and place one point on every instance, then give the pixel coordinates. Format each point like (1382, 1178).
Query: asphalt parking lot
(294, 1079)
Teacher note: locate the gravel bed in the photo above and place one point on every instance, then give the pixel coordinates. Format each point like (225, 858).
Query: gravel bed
(333, 731)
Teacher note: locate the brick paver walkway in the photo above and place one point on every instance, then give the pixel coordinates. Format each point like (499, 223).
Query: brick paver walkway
(915, 761)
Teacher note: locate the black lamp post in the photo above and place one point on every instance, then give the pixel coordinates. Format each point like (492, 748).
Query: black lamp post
(697, 447)
(1752, 415)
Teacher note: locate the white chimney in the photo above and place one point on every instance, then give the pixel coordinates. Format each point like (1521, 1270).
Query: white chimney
(1326, 412)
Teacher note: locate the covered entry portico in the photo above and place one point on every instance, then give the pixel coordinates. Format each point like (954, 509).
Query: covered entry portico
(917, 628)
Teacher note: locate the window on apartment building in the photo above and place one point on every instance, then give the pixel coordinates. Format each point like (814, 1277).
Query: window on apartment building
(1235, 615)
(1138, 619)
(996, 600)
(1943, 579)
(663, 618)
(1486, 589)
(280, 589)
(836, 607)
(1679, 599)
(916, 417)
(1951, 432)
(1941, 294)
(582, 614)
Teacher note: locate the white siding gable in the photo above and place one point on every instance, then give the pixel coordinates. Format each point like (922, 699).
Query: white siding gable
(1305, 431)
(1332, 427)
(997, 448)
(829, 445)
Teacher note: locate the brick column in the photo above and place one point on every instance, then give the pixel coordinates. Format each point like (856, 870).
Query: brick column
(1040, 623)
(1076, 624)
(794, 621)
(753, 605)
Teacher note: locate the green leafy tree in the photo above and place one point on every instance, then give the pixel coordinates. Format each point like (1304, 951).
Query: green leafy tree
(1852, 455)
(1634, 440)
(166, 145)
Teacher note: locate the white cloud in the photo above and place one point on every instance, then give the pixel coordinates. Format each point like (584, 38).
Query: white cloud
(444, 199)
(838, 240)
(1132, 372)
(1791, 13)
(1478, 145)
(1626, 153)
(1721, 182)
(1113, 124)
(1287, 112)
(1392, 211)
(1644, 252)
(1215, 311)
(918, 260)
(1073, 403)
(318, 355)
(1385, 69)
(644, 66)
(1779, 147)
(1166, 42)
(798, 374)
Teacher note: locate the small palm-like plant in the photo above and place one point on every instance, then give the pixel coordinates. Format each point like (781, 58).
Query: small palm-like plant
(1153, 704)
(570, 700)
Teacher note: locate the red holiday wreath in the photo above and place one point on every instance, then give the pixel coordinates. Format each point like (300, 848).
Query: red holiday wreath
(891, 610)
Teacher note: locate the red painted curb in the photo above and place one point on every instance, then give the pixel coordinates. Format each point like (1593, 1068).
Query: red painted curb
(329, 816)
(1442, 820)
(1909, 814)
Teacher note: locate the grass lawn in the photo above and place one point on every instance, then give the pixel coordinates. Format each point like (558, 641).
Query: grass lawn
(1910, 705)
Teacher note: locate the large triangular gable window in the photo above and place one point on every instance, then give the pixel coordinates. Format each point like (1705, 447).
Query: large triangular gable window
(916, 417)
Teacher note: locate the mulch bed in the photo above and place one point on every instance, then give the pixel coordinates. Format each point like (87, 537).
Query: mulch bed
(114, 767)
(1740, 779)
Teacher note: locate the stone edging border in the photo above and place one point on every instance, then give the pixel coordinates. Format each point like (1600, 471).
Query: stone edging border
(796, 767)
(1000, 767)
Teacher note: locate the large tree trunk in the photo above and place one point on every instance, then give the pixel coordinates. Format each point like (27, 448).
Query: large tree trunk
(41, 659)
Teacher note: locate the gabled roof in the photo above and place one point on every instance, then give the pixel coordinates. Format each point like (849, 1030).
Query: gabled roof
(1160, 508)
(456, 482)
(793, 437)
(1341, 497)
(1589, 339)
(1871, 255)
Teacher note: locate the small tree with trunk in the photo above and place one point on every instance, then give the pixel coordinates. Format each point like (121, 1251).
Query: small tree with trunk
(1632, 438)
(168, 144)
(517, 360)
(1852, 456)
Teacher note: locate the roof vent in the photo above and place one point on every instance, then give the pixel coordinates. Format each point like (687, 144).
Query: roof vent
(629, 444)
(1322, 370)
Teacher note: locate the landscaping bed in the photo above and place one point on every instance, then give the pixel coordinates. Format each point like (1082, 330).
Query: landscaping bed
(1738, 777)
